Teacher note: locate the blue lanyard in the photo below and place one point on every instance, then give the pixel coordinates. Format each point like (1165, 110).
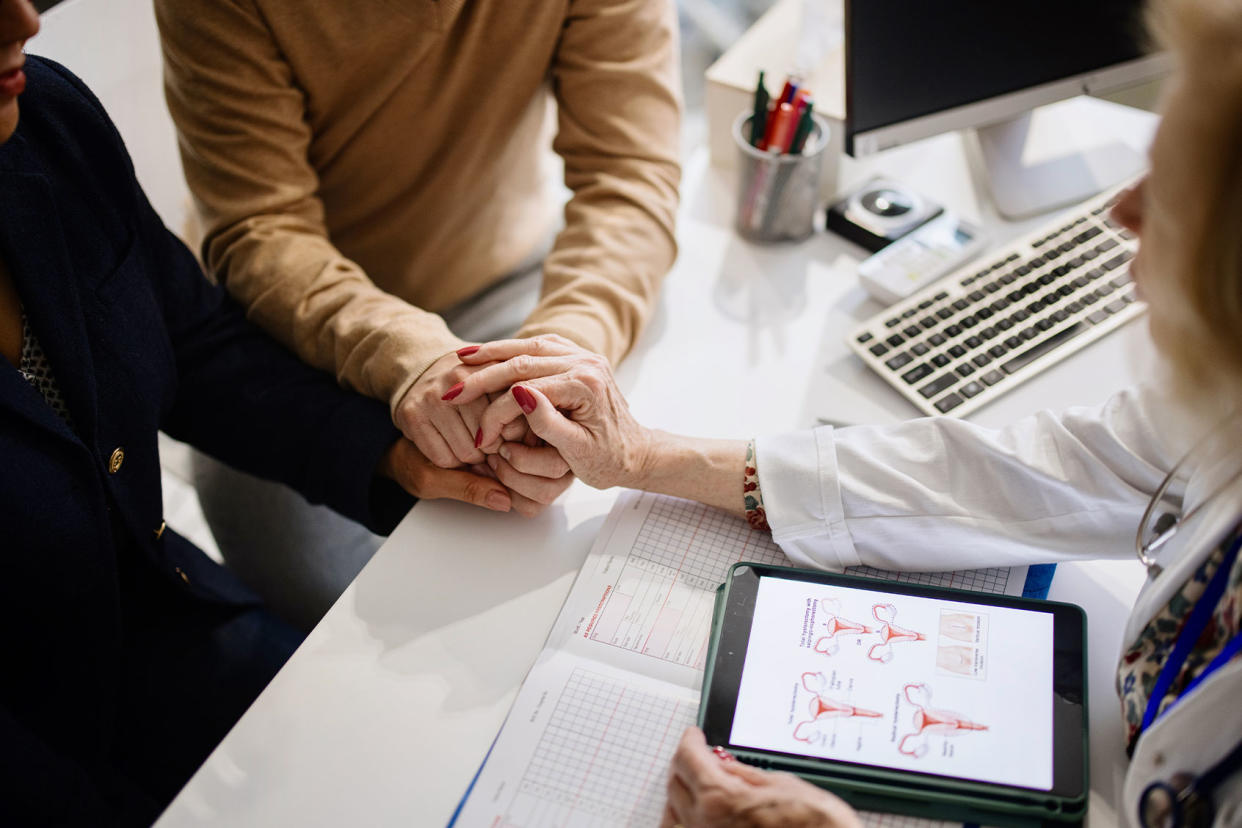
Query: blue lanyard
(1203, 610)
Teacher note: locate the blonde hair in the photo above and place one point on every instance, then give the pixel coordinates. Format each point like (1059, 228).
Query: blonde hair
(1205, 39)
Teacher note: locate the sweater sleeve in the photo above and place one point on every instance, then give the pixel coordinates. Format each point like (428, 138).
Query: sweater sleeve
(242, 124)
(616, 81)
(939, 493)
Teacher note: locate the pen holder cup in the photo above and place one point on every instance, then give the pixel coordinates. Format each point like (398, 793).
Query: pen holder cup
(777, 193)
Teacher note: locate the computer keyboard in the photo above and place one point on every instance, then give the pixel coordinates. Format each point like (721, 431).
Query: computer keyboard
(985, 329)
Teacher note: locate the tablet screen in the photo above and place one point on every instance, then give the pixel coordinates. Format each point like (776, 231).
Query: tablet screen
(899, 681)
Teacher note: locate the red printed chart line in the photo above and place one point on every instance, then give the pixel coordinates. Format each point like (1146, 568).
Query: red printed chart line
(603, 755)
(662, 598)
(741, 556)
(684, 554)
(629, 820)
(594, 756)
(700, 658)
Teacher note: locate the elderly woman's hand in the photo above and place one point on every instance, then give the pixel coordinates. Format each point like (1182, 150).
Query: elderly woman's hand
(569, 397)
(704, 790)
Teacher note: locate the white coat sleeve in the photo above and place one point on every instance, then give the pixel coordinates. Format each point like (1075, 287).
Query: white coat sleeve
(942, 494)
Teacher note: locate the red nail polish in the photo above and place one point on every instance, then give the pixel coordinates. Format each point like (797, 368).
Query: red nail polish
(524, 398)
(468, 350)
(723, 754)
(454, 391)
(478, 438)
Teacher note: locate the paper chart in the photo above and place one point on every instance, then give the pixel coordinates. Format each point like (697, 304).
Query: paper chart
(589, 738)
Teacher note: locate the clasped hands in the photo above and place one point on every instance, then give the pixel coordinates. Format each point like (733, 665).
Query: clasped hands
(545, 410)
(507, 425)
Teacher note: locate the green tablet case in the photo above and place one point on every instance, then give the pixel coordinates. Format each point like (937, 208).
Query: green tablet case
(881, 789)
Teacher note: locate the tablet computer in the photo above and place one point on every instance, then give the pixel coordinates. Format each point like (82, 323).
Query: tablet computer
(901, 697)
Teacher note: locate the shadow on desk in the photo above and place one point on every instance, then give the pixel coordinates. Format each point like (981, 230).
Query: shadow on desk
(432, 604)
(842, 390)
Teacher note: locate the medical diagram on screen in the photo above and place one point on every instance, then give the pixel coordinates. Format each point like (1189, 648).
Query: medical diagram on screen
(899, 681)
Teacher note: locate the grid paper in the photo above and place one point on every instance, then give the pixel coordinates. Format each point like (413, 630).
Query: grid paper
(699, 543)
(603, 761)
(603, 758)
(665, 590)
(976, 580)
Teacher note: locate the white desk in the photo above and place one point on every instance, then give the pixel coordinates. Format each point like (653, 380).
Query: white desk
(383, 715)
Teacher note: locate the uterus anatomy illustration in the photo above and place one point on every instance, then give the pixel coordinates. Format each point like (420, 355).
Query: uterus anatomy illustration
(824, 711)
(885, 627)
(929, 721)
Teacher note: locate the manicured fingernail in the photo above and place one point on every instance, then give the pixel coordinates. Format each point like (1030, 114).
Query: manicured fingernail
(723, 754)
(497, 501)
(454, 391)
(505, 451)
(468, 350)
(524, 398)
(478, 438)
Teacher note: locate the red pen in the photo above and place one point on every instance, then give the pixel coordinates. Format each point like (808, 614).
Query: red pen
(781, 127)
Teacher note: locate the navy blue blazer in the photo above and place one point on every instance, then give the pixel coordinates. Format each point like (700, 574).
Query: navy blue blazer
(139, 341)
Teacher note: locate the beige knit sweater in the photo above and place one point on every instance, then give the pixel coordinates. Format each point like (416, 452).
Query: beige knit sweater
(361, 165)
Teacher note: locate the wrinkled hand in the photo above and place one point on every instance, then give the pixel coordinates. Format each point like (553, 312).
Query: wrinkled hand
(404, 463)
(705, 791)
(570, 400)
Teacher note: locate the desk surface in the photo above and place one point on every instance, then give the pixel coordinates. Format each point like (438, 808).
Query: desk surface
(383, 715)
(387, 709)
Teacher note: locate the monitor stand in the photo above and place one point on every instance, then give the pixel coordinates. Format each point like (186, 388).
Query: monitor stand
(1062, 153)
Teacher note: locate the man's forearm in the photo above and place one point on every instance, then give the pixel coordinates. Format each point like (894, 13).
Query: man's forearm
(619, 114)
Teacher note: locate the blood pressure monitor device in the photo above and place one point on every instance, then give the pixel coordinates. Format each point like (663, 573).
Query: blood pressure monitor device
(903, 698)
(919, 258)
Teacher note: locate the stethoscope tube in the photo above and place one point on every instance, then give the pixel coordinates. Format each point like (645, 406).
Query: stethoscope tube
(1186, 803)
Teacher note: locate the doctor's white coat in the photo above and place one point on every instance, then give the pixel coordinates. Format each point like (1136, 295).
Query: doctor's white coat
(939, 493)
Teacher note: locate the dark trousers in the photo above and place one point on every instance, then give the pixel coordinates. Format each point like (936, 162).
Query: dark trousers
(191, 669)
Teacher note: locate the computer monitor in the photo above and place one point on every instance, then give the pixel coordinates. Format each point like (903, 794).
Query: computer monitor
(916, 69)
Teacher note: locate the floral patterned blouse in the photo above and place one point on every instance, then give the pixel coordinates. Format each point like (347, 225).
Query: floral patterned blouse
(1141, 662)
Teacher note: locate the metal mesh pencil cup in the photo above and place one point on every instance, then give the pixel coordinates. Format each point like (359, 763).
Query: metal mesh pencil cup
(777, 193)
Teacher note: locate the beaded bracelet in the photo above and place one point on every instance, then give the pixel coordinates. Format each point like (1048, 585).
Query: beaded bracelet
(752, 496)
